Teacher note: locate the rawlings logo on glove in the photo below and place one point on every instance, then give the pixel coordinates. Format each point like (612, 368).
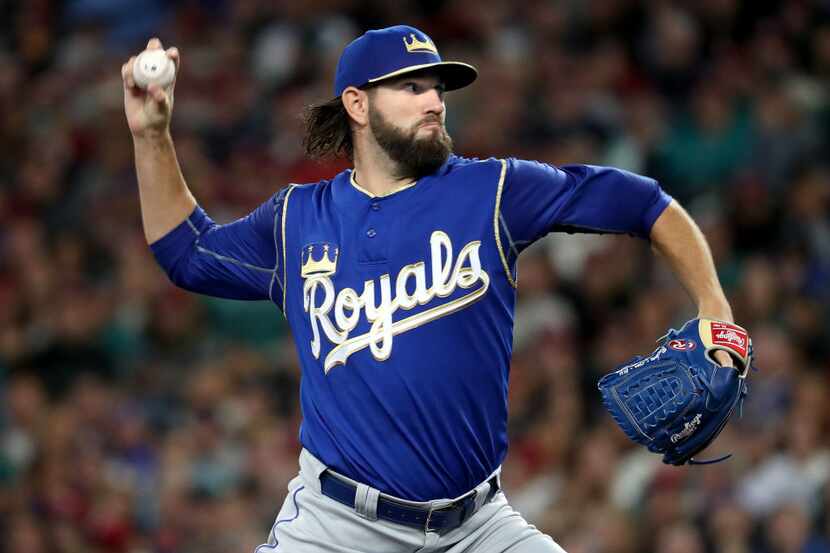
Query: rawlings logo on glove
(688, 429)
(732, 337)
(678, 399)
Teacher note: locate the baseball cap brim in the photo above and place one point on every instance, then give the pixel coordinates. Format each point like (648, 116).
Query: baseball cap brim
(455, 74)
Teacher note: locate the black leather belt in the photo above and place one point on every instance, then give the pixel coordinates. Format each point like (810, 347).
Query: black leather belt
(439, 520)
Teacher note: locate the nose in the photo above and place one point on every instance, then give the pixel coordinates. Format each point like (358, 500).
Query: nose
(433, 102)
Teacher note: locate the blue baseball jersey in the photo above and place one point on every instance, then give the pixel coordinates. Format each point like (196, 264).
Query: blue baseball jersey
(401, 306)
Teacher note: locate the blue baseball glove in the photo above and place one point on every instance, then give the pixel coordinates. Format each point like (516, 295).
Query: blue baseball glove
(678, 399)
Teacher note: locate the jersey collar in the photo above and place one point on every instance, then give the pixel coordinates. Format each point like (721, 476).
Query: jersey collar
(350, 194)
(353, 182)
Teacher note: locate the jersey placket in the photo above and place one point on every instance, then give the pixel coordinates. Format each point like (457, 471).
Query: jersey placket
(374, 232)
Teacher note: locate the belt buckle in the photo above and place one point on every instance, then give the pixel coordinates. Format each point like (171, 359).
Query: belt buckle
(466, 505)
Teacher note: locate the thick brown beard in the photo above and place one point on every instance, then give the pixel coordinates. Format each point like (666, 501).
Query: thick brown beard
(414, 157)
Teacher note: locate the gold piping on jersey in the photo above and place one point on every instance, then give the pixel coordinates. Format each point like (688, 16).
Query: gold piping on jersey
(496, 225)
(395, 191)
(284, 270)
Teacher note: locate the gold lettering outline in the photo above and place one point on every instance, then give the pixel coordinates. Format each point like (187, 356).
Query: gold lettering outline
(341, 353)
(436, 267)
(407, 271)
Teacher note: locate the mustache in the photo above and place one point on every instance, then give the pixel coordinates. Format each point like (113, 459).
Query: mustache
(429, 119)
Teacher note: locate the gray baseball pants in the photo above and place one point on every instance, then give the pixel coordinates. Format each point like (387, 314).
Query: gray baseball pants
(310, 522)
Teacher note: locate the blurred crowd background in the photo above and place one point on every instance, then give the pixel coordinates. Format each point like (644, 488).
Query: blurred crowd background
(137, 418)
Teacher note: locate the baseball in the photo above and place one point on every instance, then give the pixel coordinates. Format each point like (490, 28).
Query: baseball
(153, 66)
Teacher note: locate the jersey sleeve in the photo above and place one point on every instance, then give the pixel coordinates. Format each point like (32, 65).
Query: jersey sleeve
(239, 260)
(539, 198)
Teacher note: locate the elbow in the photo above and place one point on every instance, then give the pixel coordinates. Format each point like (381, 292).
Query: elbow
(670, 216)
(179, 269)
(185, 276)
(178, 276)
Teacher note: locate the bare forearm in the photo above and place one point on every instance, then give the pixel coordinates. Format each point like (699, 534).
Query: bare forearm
(679, 240)
(165, 199)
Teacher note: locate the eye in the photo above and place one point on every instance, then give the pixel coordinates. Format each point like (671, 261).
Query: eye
(412, 87)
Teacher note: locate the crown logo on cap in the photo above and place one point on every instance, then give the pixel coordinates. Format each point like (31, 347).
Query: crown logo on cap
(416, 45)
(325, 266)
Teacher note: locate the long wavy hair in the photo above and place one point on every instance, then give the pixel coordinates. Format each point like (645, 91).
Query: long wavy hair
(327, 131)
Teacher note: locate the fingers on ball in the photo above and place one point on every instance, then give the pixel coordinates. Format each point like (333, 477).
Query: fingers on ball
(157, 93)
(153, 44)
(127, 72)
(173, 54)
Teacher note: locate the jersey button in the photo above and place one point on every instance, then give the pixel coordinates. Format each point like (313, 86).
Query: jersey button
(375, 206)
(371, 233)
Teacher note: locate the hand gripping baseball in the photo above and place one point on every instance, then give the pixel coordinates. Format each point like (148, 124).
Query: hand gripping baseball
(149, 110)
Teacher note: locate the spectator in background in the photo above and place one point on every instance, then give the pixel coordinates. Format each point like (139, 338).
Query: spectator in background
(788, 531)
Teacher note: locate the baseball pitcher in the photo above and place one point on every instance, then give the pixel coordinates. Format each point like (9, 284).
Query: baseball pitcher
(398, 280)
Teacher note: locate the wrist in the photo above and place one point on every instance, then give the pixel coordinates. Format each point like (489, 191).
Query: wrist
(714, 306)
(717, 312)
(723, 358)
(151, 136)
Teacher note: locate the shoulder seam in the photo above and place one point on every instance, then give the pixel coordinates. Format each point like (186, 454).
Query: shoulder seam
(203, 250)
(192, 226)
(513, 245)
(496, 217)
(235, 261)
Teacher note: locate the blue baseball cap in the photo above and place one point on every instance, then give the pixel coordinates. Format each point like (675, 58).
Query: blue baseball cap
(384, 53)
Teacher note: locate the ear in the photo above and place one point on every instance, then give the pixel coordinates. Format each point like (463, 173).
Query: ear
(356, 102)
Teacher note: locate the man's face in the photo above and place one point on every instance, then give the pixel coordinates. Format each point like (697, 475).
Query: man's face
(406, 117)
